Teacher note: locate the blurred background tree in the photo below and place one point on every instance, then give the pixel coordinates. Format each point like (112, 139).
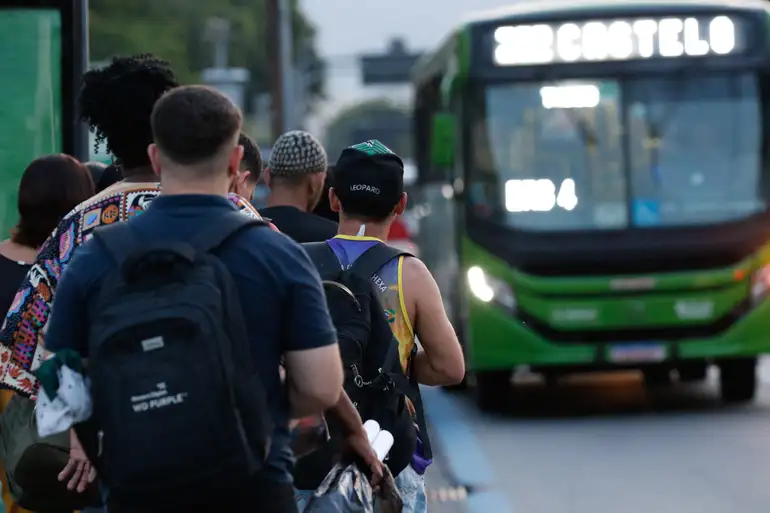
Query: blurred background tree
(371, 119)
(175, 31)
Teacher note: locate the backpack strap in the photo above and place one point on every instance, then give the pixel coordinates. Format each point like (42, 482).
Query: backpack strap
(324, 258)
(411, 388)
(374, 258)
(119, 239)
(220, 228)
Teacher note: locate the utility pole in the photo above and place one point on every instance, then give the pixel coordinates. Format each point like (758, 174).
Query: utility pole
(277, 122)
(287, 65)
(218, 32)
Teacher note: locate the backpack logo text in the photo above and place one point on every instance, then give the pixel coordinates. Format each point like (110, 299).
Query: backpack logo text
(156, 399)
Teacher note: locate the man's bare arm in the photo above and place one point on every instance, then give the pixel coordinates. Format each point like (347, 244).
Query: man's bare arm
(314, 378)
(440, 362)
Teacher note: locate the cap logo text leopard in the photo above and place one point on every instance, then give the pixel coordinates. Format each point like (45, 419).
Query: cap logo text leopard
(363, 187)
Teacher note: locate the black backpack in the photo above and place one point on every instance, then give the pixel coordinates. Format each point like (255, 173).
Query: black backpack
(178, 406)
(374, 378)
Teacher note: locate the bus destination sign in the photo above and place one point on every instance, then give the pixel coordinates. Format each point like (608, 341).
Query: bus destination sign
(618, 40)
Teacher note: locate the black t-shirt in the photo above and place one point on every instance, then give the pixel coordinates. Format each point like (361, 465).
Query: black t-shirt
(11, 275)
(299, 225)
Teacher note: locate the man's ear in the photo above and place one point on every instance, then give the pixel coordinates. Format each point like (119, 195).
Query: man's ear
(266, 176)
(401, 205)
(154, 153)
(234, 162)
(334, 202)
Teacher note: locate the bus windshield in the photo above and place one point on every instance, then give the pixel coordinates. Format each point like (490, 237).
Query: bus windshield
(552, 155)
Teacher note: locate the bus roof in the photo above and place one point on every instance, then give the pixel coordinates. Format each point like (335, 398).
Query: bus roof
(524, 7)
(427, 64)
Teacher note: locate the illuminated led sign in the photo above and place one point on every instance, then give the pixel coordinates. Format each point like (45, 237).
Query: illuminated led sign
(617, 40)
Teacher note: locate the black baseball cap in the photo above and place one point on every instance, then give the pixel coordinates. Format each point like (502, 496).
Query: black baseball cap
(368, 179)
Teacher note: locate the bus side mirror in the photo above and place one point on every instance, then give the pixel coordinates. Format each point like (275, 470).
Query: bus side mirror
(442, 141)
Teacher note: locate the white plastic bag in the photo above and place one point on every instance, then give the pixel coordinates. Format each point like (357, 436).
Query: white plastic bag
(345, 490)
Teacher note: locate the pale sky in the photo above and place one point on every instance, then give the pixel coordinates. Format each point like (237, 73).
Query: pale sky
(350, 27)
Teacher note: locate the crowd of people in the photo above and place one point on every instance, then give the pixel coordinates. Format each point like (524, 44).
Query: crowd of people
(163, 355)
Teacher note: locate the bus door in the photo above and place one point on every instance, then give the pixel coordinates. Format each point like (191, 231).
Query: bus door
(43, 54)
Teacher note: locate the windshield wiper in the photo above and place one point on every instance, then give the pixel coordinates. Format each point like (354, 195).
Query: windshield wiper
(656, 129)
(587, 134)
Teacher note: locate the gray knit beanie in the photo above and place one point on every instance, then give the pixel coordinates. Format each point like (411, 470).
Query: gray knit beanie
(297, 153)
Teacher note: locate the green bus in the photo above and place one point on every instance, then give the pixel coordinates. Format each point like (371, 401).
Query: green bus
(43, 53)
(595, 187)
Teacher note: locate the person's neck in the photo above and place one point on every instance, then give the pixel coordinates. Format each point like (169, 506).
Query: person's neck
(15, 251)
(351, 227)
(170, 187)
(280, 197)
(141, 174)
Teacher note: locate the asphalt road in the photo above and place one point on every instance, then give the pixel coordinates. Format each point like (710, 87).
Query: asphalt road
(602, 444)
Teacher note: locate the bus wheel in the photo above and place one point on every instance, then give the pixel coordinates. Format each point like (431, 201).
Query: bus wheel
(692, 372)
(738, 380)
(657, 376)
(492, 390)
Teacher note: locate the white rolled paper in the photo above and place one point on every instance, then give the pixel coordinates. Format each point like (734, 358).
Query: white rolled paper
(382, 444)
(372, 428)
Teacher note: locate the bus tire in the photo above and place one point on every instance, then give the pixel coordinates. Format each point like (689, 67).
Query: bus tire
(738, 380)
(657, 376)
(692, 372)
(492, 390)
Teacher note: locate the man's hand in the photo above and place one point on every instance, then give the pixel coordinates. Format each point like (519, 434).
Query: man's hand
(358, 443)
(78, 471)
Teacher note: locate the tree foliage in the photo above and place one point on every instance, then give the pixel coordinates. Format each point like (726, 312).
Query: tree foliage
(175, 30)
(372, 119)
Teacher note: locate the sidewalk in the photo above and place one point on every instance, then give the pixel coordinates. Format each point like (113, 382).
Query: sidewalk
(444, 496)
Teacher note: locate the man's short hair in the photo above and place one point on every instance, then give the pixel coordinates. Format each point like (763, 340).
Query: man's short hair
(324, 208)
(252, 157)
(191, 124)
(297, 154)
(368, 180)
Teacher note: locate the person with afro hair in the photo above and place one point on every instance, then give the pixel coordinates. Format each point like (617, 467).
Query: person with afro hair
(117, 102)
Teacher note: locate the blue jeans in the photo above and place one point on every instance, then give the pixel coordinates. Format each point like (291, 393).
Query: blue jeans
(410, 484)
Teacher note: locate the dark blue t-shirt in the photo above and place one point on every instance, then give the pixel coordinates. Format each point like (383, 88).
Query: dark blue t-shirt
(280, 290)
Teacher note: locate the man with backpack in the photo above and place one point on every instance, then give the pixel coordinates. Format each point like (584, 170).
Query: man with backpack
(395, 299)
(183, 315)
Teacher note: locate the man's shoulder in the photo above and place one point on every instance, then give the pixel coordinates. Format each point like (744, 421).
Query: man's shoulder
(262, 239)
(274, 212)
(303, 226)
(414, 270)
(326, 224)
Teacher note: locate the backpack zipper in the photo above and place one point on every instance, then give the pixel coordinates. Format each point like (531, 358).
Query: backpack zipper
(358, 380)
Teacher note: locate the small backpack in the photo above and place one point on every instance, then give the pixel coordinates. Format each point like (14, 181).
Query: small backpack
(178, 405)
(374, 377)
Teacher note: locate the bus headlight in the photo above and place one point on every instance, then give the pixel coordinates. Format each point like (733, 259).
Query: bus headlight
(488, 289)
